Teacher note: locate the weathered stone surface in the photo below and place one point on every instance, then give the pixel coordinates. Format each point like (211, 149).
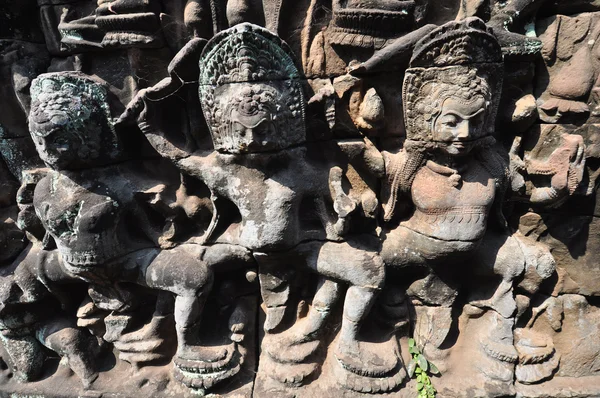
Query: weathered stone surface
(306, 198)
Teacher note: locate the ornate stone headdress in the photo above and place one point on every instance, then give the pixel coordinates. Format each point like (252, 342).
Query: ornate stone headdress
(85, 101)
(460, 60)
(251, 56)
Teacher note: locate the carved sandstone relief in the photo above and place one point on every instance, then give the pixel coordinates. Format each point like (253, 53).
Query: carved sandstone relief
(399, 202)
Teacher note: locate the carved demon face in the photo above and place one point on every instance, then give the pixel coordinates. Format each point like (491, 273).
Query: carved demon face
(69, 121)
(460, 125)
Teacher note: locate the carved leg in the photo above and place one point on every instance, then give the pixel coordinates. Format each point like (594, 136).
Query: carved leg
(359, 301)
(325, 298)
(361, 364)
(182, 272)
(74, 344)
(499, 256)
(274, 288)
(188, 272)
(301, 341)
(290, 354)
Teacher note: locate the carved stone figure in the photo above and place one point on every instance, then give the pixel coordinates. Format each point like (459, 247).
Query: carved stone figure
(455, 177)
(253, 102)
(91, 215)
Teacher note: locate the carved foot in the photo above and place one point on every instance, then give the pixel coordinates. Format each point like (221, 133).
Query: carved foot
(290, 355)
(501, 351)
(367, 384)
(502, 357)
(146, 344)
(291, 374)
(367, 359)
(369, 367)
(537, 358)
(290, 346)
(200, 367)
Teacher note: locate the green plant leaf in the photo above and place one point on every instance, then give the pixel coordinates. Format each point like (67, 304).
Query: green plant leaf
(433, 369)
(418, 370)
(419, 386)
(410, 369)
(411, 342)
(414, 350)
(419, 378)
(422, 362)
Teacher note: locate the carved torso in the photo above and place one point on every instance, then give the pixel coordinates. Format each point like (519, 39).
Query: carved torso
(267, 190)
(87, 216)
(448, 212)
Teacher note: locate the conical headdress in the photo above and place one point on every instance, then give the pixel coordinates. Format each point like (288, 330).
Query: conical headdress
(461, 60)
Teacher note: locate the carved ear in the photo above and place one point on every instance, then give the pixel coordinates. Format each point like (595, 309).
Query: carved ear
(185, 64)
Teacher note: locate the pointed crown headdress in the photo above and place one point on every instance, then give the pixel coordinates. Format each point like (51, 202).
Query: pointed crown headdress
(461, 60)
(264, 77)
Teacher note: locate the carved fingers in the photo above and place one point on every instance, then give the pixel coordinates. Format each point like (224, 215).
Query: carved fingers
(343, 205)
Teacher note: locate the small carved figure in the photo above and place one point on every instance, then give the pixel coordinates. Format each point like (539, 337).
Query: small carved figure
(33, 314)
(505, 17)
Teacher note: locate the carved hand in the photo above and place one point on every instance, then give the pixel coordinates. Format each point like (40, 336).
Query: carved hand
(566, 166)
(343, 205)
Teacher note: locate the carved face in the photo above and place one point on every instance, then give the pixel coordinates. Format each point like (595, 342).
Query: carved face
(67, 121)
(459, 125)
(251, 119)
(254, 117)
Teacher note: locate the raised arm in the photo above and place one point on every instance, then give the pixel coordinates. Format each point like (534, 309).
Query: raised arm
(150, 107)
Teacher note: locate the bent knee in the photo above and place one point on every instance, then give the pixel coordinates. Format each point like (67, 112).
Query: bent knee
(179, 272)
(356, 266)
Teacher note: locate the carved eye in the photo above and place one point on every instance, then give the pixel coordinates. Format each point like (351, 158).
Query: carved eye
(450, 121)
(239, 129)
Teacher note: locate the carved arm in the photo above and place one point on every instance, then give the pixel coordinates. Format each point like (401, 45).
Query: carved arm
(147, 107)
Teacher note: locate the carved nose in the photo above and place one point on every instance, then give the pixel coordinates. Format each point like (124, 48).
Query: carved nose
(463, 130)
(248, 135)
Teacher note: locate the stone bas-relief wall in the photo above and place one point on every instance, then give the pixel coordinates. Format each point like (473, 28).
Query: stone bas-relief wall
(283, 198)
